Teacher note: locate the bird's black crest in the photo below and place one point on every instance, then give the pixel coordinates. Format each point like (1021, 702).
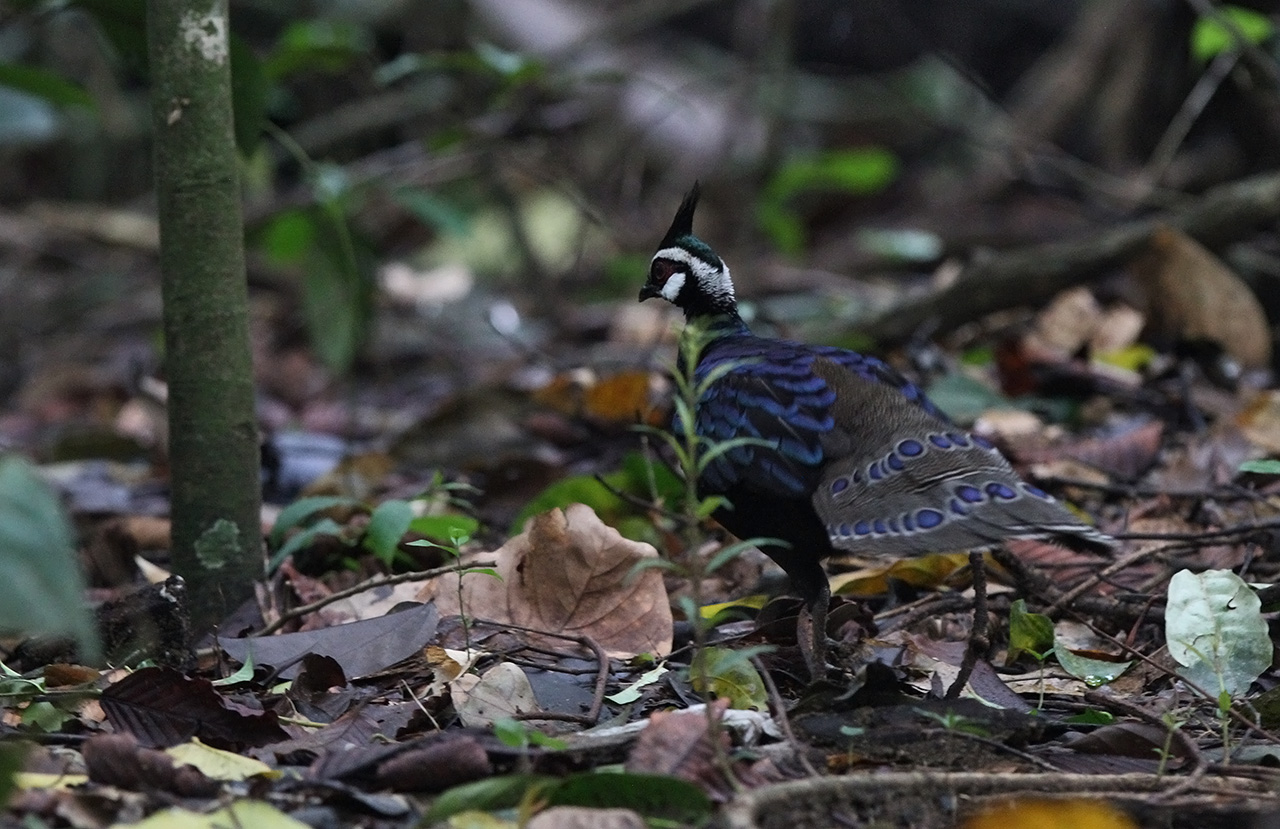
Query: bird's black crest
(682, 224)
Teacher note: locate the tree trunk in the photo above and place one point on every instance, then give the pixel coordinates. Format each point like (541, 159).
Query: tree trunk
(213, 443)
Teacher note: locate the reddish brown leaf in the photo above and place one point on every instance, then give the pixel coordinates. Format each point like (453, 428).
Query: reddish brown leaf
(118, 760)
(1126, 455)
(679, 744)
(161, 708)
(436, 766)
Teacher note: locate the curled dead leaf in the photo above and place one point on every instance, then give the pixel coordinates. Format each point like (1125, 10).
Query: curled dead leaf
(1193, 295)
(569, 573)
(574, 574)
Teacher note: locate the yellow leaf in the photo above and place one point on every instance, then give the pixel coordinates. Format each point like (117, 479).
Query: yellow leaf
(219, 764)
(40, 780)
(1044, 813)
(256, 813)
(753, 602)
(924, 571)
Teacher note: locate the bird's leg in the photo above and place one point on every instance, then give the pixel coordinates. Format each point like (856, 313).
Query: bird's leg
(978, 642)
(811, 631)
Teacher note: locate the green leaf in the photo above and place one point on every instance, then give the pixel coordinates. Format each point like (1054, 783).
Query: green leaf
(42, 590)
(286, 237)
(432, 210)
(1210, 37)
(1263, 467)
(1028, 632)
(656, 797)
(242, 674)
(578, 489)
(248, 95)
(325, 526)
(632, 692)
(318, 44)
(45, 716)
(963, 399)
(218, 544)
(731, 551)
(302, 509)
(1092, 716)
(504, 792)
(1094, 672)
(445, 527)
(517, 734)
(728, 674)
(338, 289)
(860, 171)
(387, 525)
(1215, 629)
(11, 756)
(1267, 704)
(640, 471)
(44, 84)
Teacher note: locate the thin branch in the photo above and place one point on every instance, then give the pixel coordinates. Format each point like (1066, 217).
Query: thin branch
(377, 581)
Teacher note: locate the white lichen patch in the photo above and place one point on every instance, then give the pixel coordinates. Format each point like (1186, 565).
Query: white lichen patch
(206, 33)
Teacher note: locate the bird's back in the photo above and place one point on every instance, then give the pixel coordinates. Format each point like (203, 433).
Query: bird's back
(847, 438)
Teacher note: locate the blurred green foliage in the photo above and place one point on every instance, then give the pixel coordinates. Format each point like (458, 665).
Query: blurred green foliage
(860, 171)
(1211, 36)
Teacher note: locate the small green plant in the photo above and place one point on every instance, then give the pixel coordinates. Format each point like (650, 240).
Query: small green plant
(693, 454)
(439, 512)
(454, 549)
(952, 721)
(1172, 724)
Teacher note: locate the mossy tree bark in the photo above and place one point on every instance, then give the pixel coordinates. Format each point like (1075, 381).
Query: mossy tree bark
(213, 440)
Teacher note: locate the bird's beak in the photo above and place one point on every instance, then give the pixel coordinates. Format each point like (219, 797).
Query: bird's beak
(649, 291)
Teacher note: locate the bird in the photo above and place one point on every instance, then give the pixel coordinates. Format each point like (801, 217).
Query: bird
(843, 453)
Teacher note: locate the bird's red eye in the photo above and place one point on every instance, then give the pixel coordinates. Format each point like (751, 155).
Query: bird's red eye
(661, 270)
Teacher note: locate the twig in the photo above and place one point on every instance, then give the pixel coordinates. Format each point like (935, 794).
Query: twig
(1224, 532)
(377, 581)
(1136, 491)
(978, 642)
(602, 677)
(1201, 763)
(996, 744)
(784, 722)
(933, 604)
(1232, 711)
(1192, 106)
(1092, 581)
(1036, 272)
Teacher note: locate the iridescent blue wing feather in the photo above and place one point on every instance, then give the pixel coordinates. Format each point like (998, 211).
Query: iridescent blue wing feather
(773, 397)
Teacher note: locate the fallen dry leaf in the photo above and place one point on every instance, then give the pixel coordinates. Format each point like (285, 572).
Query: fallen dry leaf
(435, 766)
(118, 760)
(1193, 295)
(503, 691)
(679, 744)
(1069, 321)
(1260, 421)
(572, 574)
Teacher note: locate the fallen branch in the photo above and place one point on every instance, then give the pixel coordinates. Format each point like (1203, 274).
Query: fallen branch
(1034, 274)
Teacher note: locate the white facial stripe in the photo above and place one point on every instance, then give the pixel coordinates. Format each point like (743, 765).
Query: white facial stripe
(671, 290)
(713, 281)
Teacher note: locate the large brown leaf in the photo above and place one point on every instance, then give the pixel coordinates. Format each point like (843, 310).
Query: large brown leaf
(1195, 296)
(572, 574)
